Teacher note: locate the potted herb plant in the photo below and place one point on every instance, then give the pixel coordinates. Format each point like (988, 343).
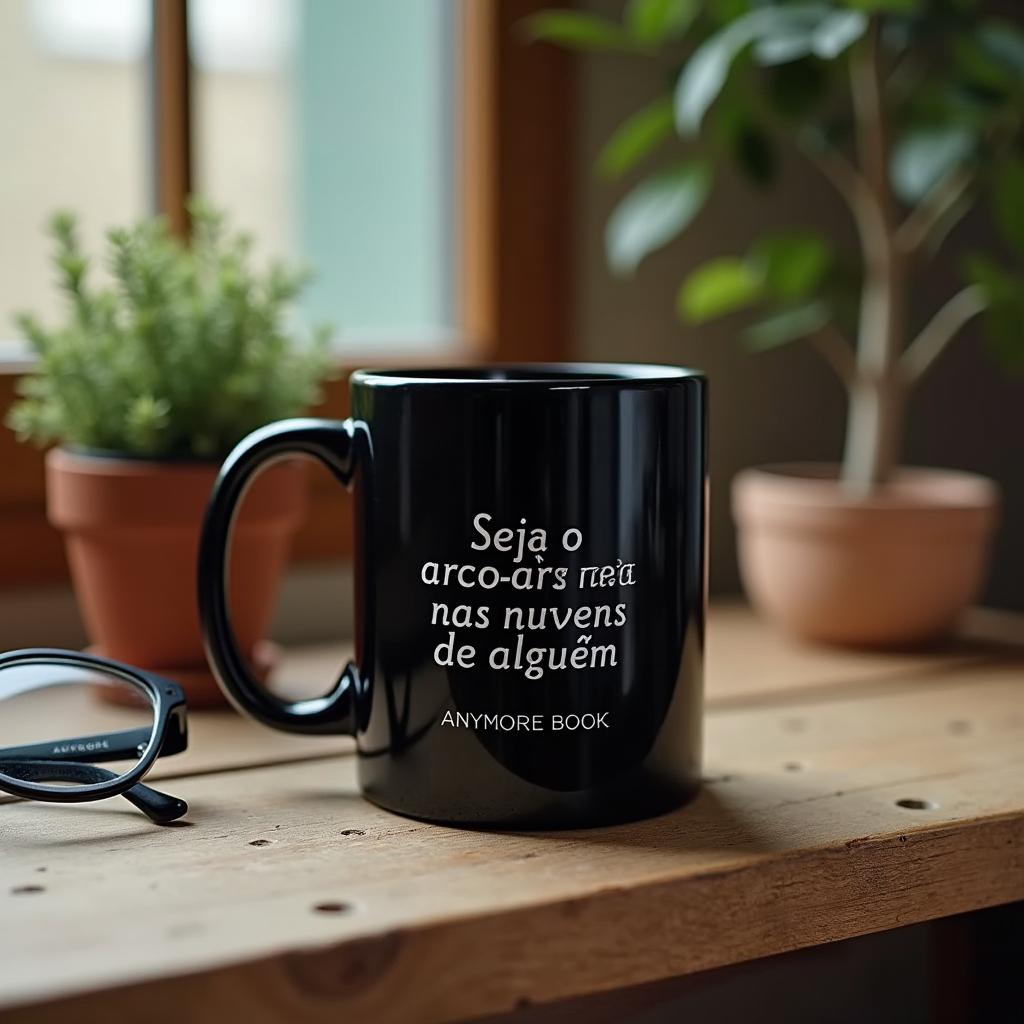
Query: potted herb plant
(913, 110)
(146, 385)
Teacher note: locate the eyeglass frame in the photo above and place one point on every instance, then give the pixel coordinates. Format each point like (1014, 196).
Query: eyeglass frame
(168, 736)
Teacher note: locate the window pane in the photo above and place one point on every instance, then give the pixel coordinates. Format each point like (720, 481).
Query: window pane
(73, 117)
(325, 129)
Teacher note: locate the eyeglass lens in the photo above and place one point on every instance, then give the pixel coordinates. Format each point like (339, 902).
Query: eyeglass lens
(66, 725)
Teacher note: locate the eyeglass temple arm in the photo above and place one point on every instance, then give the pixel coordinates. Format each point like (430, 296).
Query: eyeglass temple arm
(127, 745)
(160, 808)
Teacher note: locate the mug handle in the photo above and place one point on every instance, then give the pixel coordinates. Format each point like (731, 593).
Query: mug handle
(336, 445)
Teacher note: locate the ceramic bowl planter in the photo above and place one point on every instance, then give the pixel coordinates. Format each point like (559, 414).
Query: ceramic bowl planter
(131, 531)
(893, 569)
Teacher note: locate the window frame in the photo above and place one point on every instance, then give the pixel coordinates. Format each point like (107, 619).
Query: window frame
(513, 295)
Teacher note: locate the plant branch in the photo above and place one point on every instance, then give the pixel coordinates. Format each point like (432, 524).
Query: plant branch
(833, 165)
(871, 119)
(844, 176)
(877, 345)
(941, 330)
(943, 199)
(830, 344)
(876, 392)
(853, 187)
(906, 75)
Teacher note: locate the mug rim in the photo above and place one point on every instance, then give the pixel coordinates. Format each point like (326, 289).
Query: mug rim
(571, 375)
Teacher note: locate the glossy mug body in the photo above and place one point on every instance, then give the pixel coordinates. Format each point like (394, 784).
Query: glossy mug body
(530, 590)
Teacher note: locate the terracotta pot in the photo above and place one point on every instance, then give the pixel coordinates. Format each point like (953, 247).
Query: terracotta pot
(131, 531)
(893, 569)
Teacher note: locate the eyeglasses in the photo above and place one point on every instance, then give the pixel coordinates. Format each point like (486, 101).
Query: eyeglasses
(117, 716)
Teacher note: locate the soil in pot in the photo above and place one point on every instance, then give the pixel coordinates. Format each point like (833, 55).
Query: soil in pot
(894, 569)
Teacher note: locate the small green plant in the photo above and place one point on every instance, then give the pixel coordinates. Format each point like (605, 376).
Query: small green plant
(184, 352)
(912, 109)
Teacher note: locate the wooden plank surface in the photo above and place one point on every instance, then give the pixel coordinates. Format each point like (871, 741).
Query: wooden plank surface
(799, 837)
(750, 660)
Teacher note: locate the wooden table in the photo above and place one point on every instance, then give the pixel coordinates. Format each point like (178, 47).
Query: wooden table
(846, 794)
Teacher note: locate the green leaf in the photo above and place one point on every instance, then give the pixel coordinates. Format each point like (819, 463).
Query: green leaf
(722, 12)
(706, 71)
(955, 102)
(886, 6)
(650, 22)
(1003, 42)
(1008, 201)
(923, 157)
(826, 36)
(653, 214)
(635, 138)
(974, 66)
(577, 30)
(1005, 313)
(791, 265)
(998, 284)
(787, 325)
(738, 133)
(1006, 341)
(719, 286)
(824, 31)
(836, 33)
(782, 48)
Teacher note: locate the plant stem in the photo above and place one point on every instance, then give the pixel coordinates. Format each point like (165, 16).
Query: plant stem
(874, 425)
(942, 204)
(941, 330)
(830, 344)
(877, 394)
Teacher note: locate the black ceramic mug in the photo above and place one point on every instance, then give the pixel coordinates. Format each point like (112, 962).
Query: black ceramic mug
(530, 589)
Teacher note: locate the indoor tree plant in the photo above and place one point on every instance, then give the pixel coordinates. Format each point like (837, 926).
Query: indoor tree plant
(146, 385)
(913, 110)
